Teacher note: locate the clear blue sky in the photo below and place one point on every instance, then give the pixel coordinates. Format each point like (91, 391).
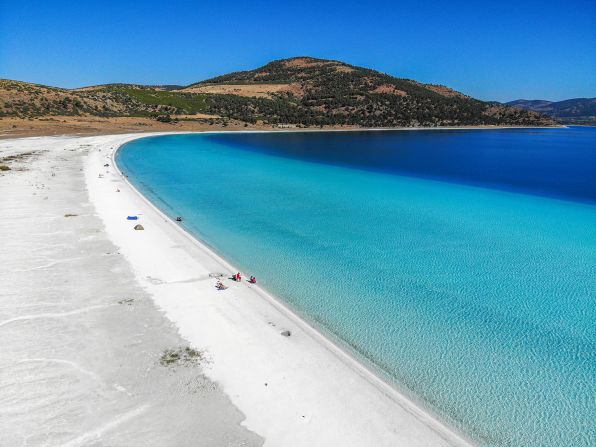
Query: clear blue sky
(498, 50)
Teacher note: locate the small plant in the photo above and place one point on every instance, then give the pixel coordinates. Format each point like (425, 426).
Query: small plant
(164, 118)
(186, 356)
(4, 168)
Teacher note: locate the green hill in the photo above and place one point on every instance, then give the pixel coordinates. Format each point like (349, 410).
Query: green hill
(323, 92)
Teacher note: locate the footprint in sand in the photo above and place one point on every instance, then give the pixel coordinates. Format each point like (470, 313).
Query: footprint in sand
(155, 281)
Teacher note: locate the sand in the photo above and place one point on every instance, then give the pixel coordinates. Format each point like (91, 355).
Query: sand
(80, 340)
(299, 390)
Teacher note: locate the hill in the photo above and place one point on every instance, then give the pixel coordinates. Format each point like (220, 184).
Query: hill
(569, 111)
(32, 100)
(313, 91)
(300, 91)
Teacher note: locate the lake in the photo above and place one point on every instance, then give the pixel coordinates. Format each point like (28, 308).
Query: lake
(458, 264)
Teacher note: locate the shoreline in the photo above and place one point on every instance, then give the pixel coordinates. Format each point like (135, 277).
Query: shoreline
(283, 307)
(416, 408)
(73, 263)
(301, 390)
(94, 126)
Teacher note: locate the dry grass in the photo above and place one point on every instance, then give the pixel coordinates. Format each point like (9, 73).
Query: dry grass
(391, 89)
(91, 125)
(196, 116)
(247, 90)
(445, 91)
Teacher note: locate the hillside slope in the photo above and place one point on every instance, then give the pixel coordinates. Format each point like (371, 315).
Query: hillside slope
(32, 100)
(300, 91)
(569, 111)
(312, 91)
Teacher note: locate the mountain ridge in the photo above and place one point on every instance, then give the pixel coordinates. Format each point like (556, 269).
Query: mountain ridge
(567, 111)
(301, 91)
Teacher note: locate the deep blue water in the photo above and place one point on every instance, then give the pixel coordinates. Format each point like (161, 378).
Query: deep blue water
(447, 260)
(544, 164)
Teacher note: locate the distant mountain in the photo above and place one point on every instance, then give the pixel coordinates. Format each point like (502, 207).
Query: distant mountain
(569, 111)
(301, 91)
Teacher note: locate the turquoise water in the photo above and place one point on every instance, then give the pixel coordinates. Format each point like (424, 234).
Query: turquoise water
(477, 301)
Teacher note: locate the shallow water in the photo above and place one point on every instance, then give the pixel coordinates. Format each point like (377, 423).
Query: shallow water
(478, 301)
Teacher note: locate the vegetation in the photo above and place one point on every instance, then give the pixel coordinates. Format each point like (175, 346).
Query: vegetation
(30, 100)
(310, 92)
(182, 103)
(16, 157)
(164, 118)
(183, 356)
(334, 93)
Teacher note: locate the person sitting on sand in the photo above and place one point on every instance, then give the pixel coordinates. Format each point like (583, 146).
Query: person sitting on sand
(238, 277)
(253, 280)
(221, 286)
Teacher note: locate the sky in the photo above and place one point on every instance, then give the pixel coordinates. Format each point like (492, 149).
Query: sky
(492, 50)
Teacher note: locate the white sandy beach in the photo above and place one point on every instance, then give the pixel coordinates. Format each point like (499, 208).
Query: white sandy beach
(293, 391)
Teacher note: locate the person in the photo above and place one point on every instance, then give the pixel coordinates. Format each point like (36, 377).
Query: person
(253, 280)
(238, 278)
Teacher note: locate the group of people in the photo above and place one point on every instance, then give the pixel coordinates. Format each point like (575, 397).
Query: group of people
(238, 278)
